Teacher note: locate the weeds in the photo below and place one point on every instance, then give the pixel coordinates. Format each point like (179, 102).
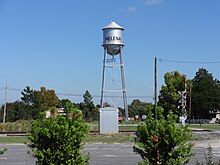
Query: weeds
(209, 158)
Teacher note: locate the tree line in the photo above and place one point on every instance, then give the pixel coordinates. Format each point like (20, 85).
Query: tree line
(34, 102)
(203, 92)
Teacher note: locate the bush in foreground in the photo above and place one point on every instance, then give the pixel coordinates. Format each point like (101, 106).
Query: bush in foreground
(58, 140)
(163, 141)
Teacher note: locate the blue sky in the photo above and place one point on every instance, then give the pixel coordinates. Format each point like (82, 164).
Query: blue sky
(57, 44)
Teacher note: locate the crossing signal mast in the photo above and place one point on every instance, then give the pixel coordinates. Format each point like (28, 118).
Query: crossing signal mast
(182, 103)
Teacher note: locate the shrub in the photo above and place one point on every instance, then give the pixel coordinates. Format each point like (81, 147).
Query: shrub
(2, 127)
(58, 140)
(19, 125)
(163, 141)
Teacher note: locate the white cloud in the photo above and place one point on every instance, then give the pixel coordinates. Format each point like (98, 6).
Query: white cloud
(152, 2)
(129, 10)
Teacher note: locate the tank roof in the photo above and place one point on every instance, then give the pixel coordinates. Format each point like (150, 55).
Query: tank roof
(113, 25)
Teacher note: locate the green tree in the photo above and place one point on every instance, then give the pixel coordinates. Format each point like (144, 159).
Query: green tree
(27, 99)
(59, 140)
(27, 95)
(89, 110)
(45, 98)
(139, 108)
(87, 98)
(63, 102)
(162, 141)
(16, 111)
(205, 94)
(168, 98)
(42, 100)
(37, 101)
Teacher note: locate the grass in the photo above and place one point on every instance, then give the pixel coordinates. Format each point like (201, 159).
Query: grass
(13, 139)
(91, 138)
(127, 128)
(110, 138)
(94, 127)
(130, 122)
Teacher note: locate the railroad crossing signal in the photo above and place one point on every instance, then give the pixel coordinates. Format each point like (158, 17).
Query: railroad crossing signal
(182, 101)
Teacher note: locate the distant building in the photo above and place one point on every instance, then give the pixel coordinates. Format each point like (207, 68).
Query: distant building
(216, 118)
(59, 111)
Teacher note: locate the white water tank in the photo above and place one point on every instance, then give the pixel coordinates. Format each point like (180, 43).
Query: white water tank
(112, 38)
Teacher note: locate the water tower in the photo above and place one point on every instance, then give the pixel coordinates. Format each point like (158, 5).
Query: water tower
(113, 80)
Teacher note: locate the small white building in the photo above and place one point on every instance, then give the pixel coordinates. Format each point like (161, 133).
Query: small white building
(108, 120)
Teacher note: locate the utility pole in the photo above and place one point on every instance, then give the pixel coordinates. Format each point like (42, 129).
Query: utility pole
(4, 114)
(155, 87)
(190, 102)
(185, 91)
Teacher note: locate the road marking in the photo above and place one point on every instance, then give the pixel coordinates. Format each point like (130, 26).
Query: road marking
(110, 156)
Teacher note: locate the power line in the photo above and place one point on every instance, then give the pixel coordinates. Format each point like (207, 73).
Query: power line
(98, 96)
(69, 94)
(189, 62)
(79, 95)
(11, 89)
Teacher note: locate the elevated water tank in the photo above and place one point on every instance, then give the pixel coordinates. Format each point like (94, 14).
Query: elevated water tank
(112, 38)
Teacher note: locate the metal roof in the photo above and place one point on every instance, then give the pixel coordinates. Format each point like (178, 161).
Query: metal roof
(113, 25)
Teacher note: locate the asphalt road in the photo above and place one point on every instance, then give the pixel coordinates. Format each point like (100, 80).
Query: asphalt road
(104, 154)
